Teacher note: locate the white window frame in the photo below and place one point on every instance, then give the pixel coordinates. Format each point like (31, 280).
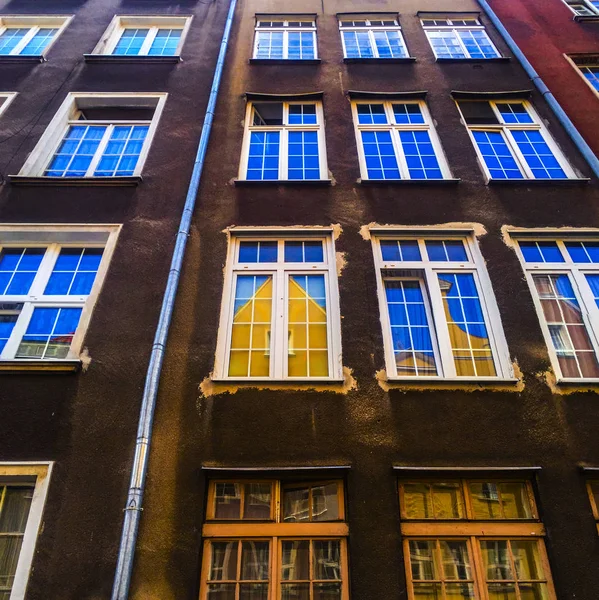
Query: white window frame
(67, 115)
(41, 471)
(53, 238)
(434, 303)
(579, 62)
(34, 23)
(593, 10)
(455, 29)
(8, 97)
(505, 130)
(576, 274)
(119, 23)
(395, 129)
(280, 271)
(284, 139)
(370, 29)
(285, 29)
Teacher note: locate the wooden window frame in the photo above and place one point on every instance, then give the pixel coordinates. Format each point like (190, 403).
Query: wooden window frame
(474, 531)
(44, 151)
(455, 29)
(505, 130)
(593, 500)
(54, 238)
(438, 327)
(395, 129)
(274, 531)
(280, 272)
(576, 274)
(284, 130)
(34, 23)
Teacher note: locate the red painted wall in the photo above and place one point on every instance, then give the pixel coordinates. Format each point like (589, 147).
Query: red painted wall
(545, 30)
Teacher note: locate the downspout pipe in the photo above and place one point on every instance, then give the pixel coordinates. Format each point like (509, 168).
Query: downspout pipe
(559, 112)
(133, 508)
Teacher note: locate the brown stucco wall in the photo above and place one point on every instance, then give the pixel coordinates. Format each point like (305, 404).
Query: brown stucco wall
(86, 422)
(368, 428)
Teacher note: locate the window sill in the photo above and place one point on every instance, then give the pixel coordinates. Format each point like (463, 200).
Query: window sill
(379, 61)
(508, 384)
(18, 58)
(379, 182)
(39, 366)
(286, 182)
(291, 382)
(586, 18)
(525, 182)
(496, 59)
(74, 181)
(284, 61)
(594, 381)
(110, 58)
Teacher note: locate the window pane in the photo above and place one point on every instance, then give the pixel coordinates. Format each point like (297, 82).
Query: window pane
(485, 501)
(269, 45)
(538, 155)
(447, 500)
(303, 159)
(420, 155)
(357, 44)
(223, 566)
(257, 501)
(300, 45)
(227, 500)
(39, 41)
(327, 559)
(258, 252)
(410, 329)
(496, 560)
(455, 560)
(326, 591)
(15, 508)
(296, 505)
(417, 501)
(250, 335)
(459, 591)
(583, 252)
(477, 43)
(389, 44)
(404, 250)
(515, 501)
(446, 250)
(165, 43)
(325, 503)
(547, 252)
(18, 268)
(568, 332)
(302, 114)
(11, 38)
(7, 324)
(427, 591)
(497, 155)
(406, 114)
(308, 332)
(379, 154)
(295, 561)
(513, 112)
(371, 114)
(122, 152)
(295, 591)
(263, 159)
(304, 252)
(254, 561)
(422, 560)
(502, 591)
(10, 548)
(445, 44)
(478, 113)
(526, 559)
(74, 272)
(131, 42)
(591, 74)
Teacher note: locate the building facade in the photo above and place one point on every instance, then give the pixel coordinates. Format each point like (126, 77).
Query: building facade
(373, 385)
(560, 40)
(102, 107)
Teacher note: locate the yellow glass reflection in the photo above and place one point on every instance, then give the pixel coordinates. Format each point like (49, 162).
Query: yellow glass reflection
(433, 501)
(527, 560)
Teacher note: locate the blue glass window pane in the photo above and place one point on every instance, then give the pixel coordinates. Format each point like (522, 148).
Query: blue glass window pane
(270, 45)
(357, 44)
(11, 38)
(131, 42)
(583, 252)
(400, 250)
(371, 114)
(18, 268)
(7, 324)
(165, 43)
(477, 44)
(406, 114)
(122, 151)
(389, 44)
(538, 155)
(258, 252)
(593, 281)
(514, 112)
(302, 114)
(420, 155)
(303, 155)
(497, 155)
(74, 272)
(591, 74)
(446, 250)
(445, 44)
(547, 252)
(304, 251)
(38, 43)
(300, 45)
(264, 154)
(381, 162)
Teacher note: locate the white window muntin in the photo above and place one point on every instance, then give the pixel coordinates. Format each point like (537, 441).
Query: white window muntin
(370, 29)
(117, 27)
(44, 151)
(582, 8)
(506, 131)
(41, 473)
(284, 134)
(475, 265)
(395, 128)
(34, 24)
(472, 25)
(81, 236)
(280, 271)
(307, 25)
(576, 274)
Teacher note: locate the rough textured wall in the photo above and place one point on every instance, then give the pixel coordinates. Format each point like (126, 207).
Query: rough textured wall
(86, 422)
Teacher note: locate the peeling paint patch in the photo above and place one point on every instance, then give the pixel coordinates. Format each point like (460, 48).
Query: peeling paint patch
(510, 232)
(467, 386)
(561, 389)
(478, 229)
(86, 359)
(340, 262)
(209, 387)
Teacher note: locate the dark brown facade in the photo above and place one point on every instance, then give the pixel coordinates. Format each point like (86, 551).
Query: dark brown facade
(202, 425)
(85, 422)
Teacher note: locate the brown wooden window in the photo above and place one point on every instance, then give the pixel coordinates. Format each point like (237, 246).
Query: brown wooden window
(473, 539)
(274, 540)
(593, 489)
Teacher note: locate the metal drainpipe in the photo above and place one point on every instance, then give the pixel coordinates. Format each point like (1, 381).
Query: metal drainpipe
(559, 112)
(133, 508)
